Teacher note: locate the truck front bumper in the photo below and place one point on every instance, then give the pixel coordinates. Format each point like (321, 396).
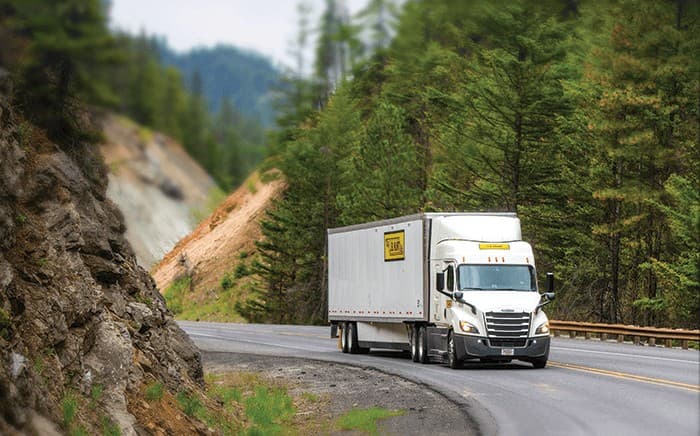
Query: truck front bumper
(474, 347)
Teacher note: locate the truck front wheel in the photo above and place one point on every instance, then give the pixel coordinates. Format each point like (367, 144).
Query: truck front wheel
(540, 362)
(452, 359)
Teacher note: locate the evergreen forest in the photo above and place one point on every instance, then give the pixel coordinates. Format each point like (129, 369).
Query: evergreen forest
(65, 59)
(581, 116)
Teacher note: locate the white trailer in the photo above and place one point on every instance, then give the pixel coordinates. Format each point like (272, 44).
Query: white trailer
(447, 287)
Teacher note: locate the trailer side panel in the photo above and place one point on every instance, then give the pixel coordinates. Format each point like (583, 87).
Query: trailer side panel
(377, 273)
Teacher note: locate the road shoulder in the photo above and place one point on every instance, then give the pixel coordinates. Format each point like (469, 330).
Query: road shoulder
(344, 387)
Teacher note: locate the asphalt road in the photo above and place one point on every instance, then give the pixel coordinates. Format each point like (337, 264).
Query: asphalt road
(588, 387)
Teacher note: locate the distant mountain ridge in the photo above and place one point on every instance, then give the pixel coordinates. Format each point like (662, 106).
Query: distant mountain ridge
(246, 77)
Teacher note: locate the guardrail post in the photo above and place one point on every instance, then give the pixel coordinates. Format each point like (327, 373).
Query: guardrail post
(636, 340)
(572, 334)
(587, 335)
(620, 338)
(652, 342)
(603, 337)
(557, 333)
(669, 343)
(684, 344)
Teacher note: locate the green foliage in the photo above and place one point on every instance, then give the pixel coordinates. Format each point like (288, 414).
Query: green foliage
(109, 427)
(190, 404)
(590, 135)
(365, 420)
(69, 408)
(175, 294)
(154, 391)
(229, 75)
(267, 408)
(96, 394)
(67, 46)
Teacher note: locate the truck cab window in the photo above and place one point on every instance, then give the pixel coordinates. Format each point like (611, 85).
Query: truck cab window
(450, 278)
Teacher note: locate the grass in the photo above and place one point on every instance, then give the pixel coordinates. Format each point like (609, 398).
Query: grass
(154, 391)
(175, 294)
(96, 394)
(109, 428)
(191, 405)
(69, 408)
(365, 420)
(267, 409)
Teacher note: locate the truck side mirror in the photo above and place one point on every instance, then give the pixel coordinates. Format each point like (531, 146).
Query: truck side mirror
(549, 283)
(440, 281)
(457, 295)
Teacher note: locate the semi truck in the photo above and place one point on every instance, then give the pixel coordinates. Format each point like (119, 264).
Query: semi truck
(446, 287)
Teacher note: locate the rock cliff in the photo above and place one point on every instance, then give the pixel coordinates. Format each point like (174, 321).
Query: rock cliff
(82, 327)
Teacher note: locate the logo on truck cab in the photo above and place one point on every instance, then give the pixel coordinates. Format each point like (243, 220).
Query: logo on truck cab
(394, 248)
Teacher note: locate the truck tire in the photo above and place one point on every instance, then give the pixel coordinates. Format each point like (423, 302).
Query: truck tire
(540, 362)
(353, 347)
(344, 337)
(414, 343)
(452, 359)
(423, 345)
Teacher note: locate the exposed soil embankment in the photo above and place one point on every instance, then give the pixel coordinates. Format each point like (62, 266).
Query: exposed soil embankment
(213, 248)
(82, 325)
(158, 187)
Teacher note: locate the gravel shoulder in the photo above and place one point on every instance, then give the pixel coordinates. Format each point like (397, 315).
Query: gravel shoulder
(344, 387)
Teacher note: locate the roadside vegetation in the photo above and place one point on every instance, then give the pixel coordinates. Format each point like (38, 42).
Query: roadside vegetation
(225, 303)
(245, 403)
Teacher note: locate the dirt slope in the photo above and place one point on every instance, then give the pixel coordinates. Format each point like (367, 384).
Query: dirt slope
(213, 248)
(156, 184)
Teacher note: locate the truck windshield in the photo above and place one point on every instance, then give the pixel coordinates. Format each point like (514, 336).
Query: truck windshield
(497, 277)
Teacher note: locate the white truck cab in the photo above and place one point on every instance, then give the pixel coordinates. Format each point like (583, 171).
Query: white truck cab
(449, 287)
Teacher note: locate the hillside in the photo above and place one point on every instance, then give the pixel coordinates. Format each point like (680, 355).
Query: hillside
(158, 187)
(246, 78)
(215, 248)
(83, 329)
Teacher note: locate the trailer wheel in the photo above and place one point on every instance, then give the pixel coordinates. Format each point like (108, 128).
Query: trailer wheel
(452, 359)
(353, 347)
(414, 343)
(422, 345)
(344, 337)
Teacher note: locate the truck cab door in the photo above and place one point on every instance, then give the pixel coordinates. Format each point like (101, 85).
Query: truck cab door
(441, 301)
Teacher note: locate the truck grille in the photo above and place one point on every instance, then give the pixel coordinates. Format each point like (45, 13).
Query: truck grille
(508, 343)
(507, 327)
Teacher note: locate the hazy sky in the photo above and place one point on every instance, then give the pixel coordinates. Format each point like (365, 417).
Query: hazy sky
(266, 26)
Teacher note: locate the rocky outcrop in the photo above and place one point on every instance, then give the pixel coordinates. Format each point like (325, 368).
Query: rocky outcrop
(158, 187)
(80, 321)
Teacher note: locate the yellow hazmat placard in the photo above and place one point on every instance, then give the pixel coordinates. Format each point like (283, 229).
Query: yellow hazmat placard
(494, 246)
(394, 247)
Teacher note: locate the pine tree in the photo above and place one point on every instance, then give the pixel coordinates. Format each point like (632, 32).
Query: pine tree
(68, 41)
(640, 118)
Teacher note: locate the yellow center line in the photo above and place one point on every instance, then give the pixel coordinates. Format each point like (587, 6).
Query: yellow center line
(623, 375)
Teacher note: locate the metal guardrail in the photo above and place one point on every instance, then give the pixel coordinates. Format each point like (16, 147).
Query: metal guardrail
(619, 332)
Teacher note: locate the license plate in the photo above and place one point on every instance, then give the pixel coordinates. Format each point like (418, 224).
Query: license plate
(507, 352)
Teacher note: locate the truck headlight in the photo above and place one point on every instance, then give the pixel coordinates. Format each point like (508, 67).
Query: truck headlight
(467, 327)
(542, 329)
